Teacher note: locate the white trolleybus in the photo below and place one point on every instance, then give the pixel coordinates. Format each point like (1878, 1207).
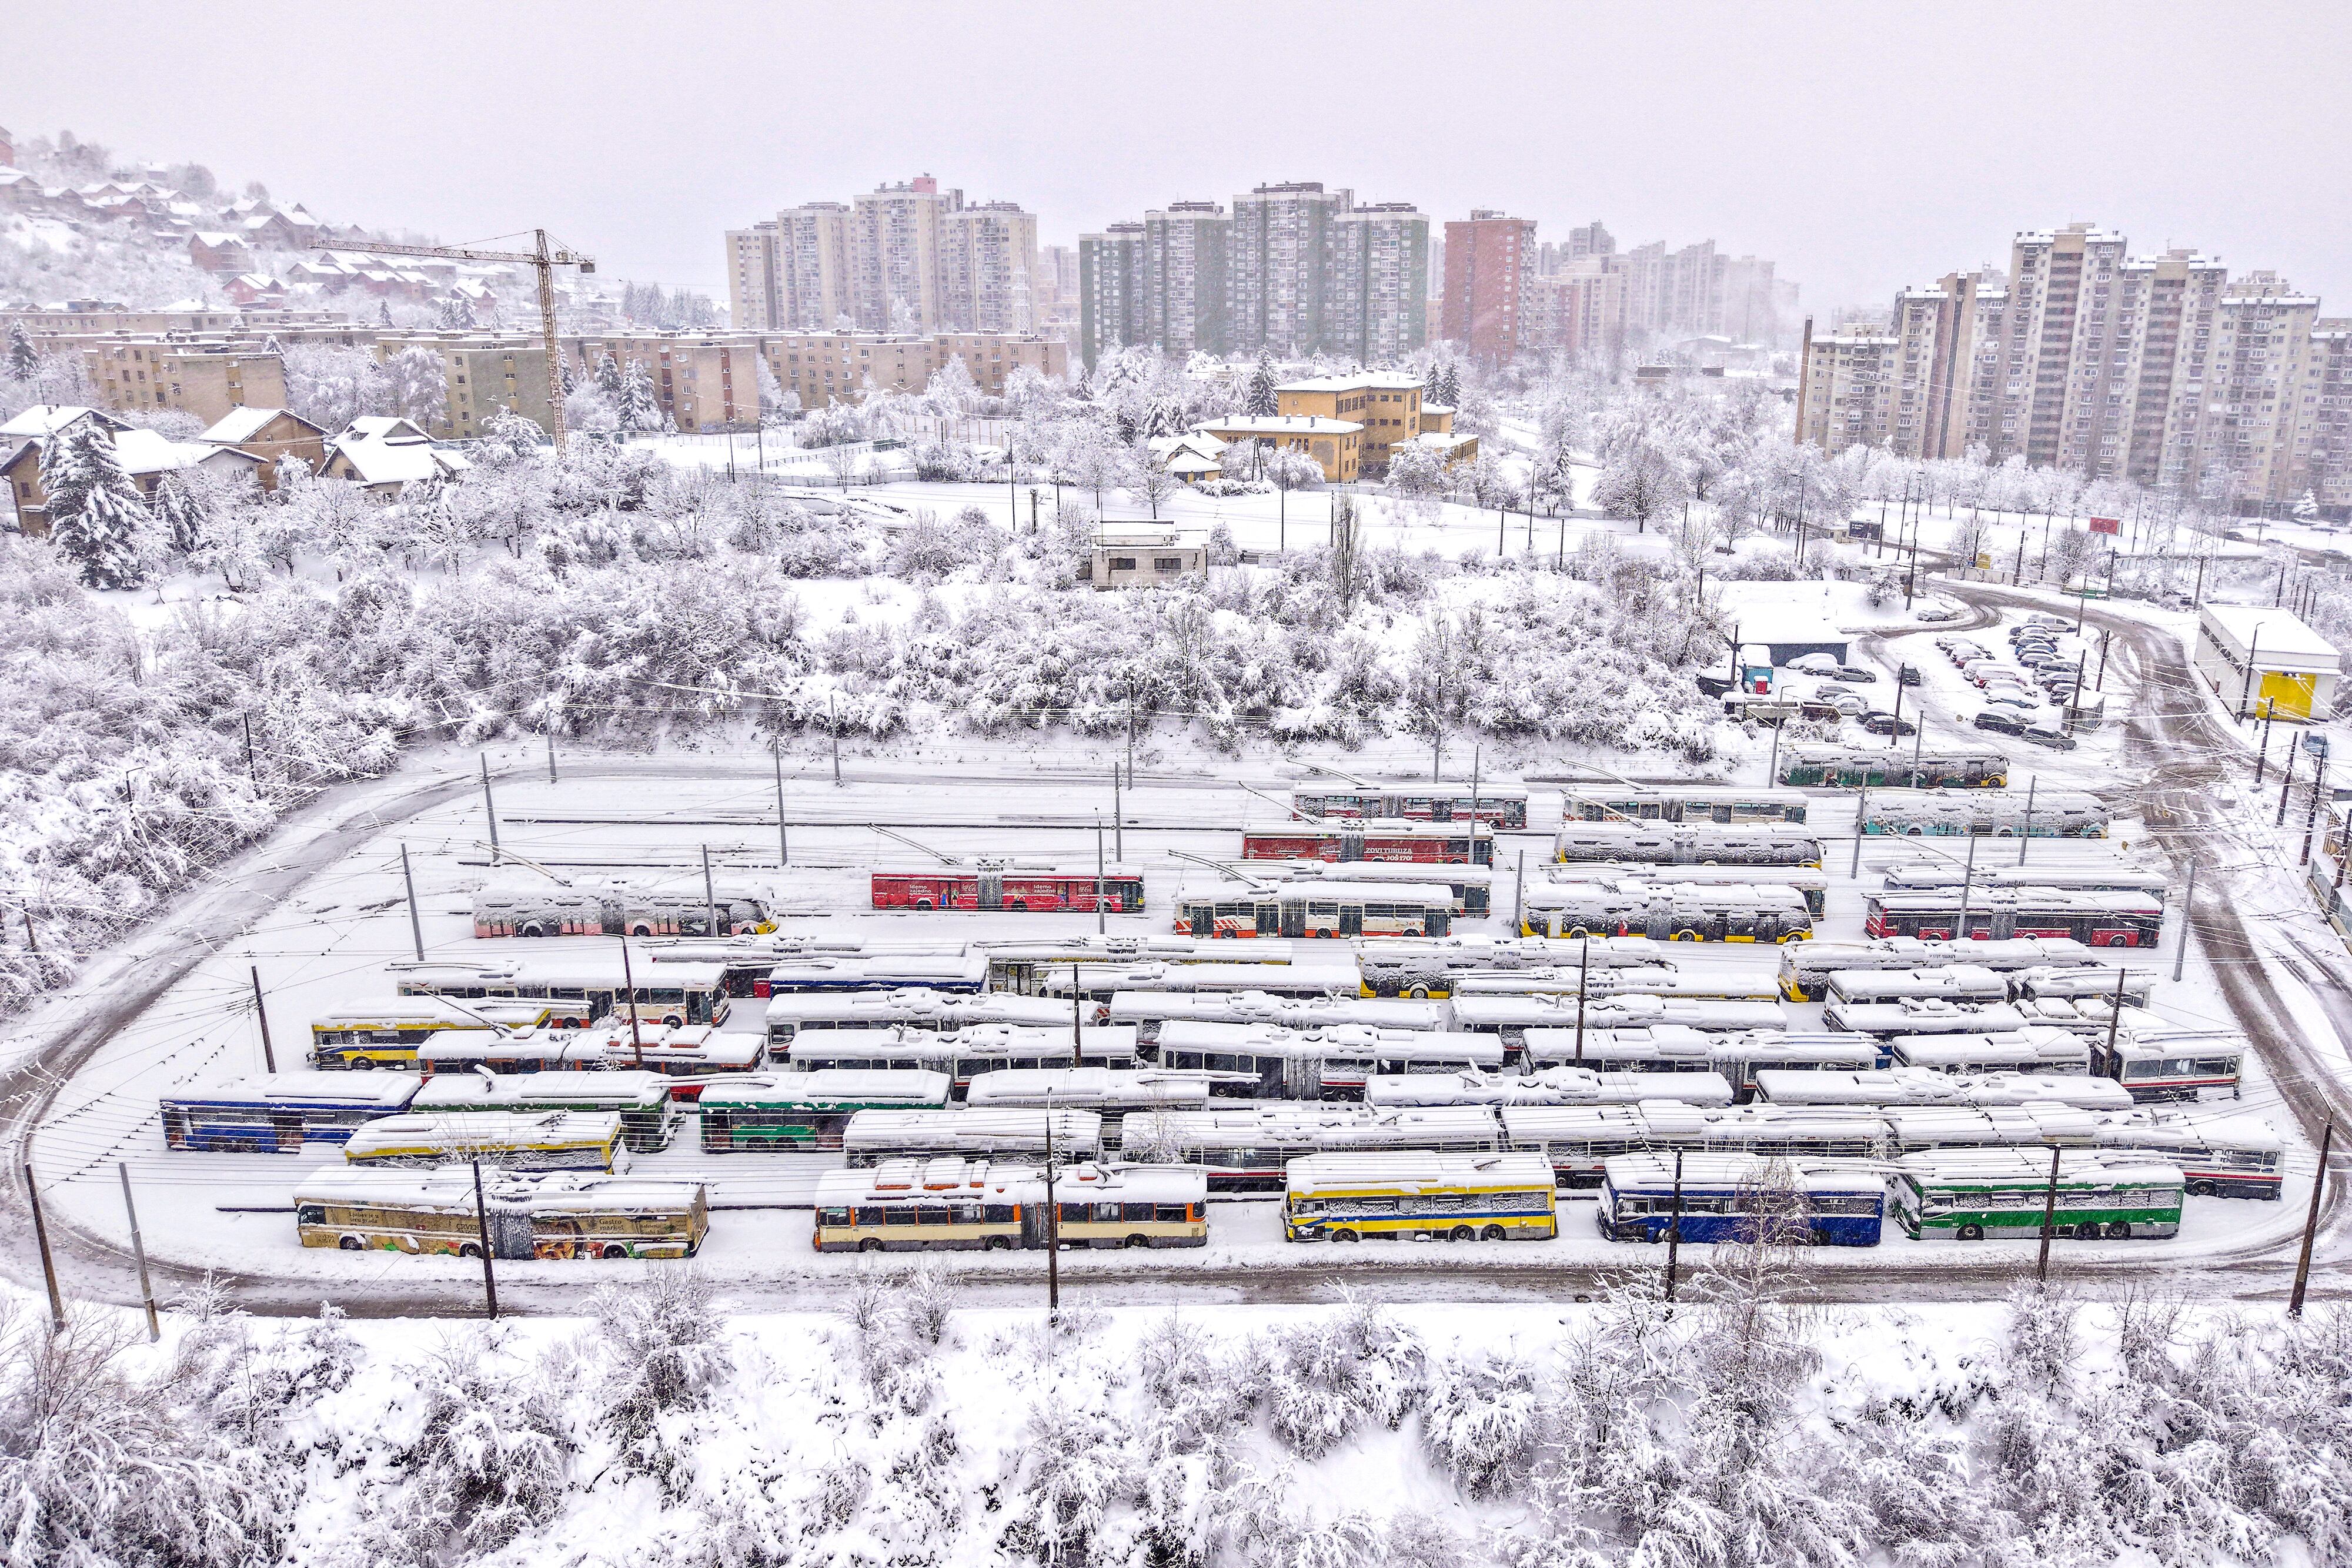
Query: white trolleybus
(1511, 1018)
(1549, 1086)
(511, 1140)
(949, 973)
(1245, 1149)
(1111, 1094)
(2095, 919)
(367, 1035)
(1618, 801)
(790, 1018)
(1984, 814)
(966, 1054)
(1262, 1061)
(1496, 805)
(1023, 966)
(689, 1055)
(1912, 1086)
(1719, 982)
(2227, 1157)
(614, 909)
(650, 1114)
(1812, 886)
(1692, 844)
(1027, 1136)
(1430, 966)
(1419, 1196)
(1150, 1011)
(2034, 1049)
(1973, 1195)
(1806, 967)
(1333, 976)
(584, 987)
(1730, 912)
(1320, 908)
(949, 1204)
(570, 1214)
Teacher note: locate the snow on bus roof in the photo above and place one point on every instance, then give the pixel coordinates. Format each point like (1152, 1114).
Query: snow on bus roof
(953, 1175)
(455, 1090)
(911, 1087)
(1411, 1170)
(2006, 1167)
(1292, 1120)
(389, 1134)
(311, 1088)
(453, 1187)
(1361, 1039)
(1711, 1169)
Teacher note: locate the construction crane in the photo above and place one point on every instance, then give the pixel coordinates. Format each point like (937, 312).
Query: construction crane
(546, 258)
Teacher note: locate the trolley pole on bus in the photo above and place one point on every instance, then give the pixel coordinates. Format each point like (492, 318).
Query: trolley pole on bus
(1674, 1230)
(48, 1263)
(1861, 815)
(261, 1012)
(784, 844)
(2026, 837)
(2049, 1221)
(2311, 1223)
(710, 897)
(629, 984)
(482, 1231)
(2188, 919)
(415, 927)
(1583, 972)
(139, 1251)
(491, 808)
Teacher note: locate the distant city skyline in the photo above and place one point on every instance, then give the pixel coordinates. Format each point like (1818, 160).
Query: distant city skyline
(1790, 134)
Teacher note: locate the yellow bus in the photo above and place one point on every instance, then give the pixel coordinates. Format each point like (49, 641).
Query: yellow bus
(572, 1214)
(511, 1140)
(914, 1205)
(1455, 1197)
(388, 1033)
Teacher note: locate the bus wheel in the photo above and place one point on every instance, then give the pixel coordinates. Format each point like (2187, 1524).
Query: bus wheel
(674, 1020)
(363, 1063)
(2201, 1190)
(1420, 993)
(871, 1244)
(532, 929)
(1137, 1241)
(1686, 936)
(1492, 1233)
(922, 904)
(469, 1250)
(2118, 1229)
(1322, 935)
(613, 1249)
(351, 1244)
(1463, 1233)
(1971, 1233)
(997, 1244)
(1345, 1236)
(641, 930)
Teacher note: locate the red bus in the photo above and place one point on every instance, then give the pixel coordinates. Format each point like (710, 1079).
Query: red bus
(2095, 919)
(1010, 888)
(1373, 839)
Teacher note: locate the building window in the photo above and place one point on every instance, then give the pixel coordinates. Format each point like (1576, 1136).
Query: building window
(1122, 563)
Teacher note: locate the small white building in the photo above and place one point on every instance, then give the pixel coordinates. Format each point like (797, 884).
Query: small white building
(1144, 555)
(380, 454)
(2265, 662)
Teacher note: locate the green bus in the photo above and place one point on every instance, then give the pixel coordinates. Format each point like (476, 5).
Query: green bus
(1970, 1194)
(809, 1110)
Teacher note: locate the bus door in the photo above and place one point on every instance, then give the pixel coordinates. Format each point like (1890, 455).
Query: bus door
(1269, 919)
(287, 1126)
(2005, 924)
(1441, 809)
(1436, 922)
(1351, 847)
(1033, 1224)
(1202, 918)
(1294, 911)
(992, 887)
(1351, 918)
(511, 1234)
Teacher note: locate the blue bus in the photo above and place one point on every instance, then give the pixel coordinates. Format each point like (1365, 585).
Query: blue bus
(278, 1115)
(1724, 1198)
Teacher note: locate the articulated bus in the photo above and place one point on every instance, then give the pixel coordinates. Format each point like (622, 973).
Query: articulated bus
(1920, 1086)
(792, 1111)
(1024, 1136)
(1419, 1196)
(2171, 1063)
(1806, 967)
(1722, 983)
(619, 909)
(1011, 888)
(1246, 1149)
(2035, 1049)
(1317, 909)
(1023, 966)
(1514, 1018)
(1497, 805)
(1971, 1194)
(389, 1031)
(1430, 966)
(569, 1214)
(1922, 1015)
(1812, 886)
(1149, 1011)
(948, 1204)
(964, 1054)
(964, 974)
(1549, 1086)
(797, 1014)
(1852, 767)
(280, 1115)
(1733, 1197)
(1258, 1061)
(1987, 813)
(688, 1055)
(649, 1116)
(1332, 977)
(2100, 981)
(1455, 843)
(1669, 844)
(1472, 886)
(2095, 919)
(584, 987)
(1112, 1093)
(1622, 802)
(536, 1141)
(1736, 912)
(1953, 982)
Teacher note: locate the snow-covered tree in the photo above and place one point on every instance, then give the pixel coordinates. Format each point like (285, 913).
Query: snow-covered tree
(178, 513)
(455, 316)
(417, 388)
(23, 361)
(777, 406)
(1415, 470)
(97, 518)
(951, 393)
(1259, 401)
(588, 412)
(610, 381)
(1639, 481)
(639, 409)
(1147, 477)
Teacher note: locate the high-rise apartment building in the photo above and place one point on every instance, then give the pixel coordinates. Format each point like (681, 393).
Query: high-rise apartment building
(1579, 311)
(1846, 382)
(1489, 284)
(914, 252)
(1188, 279)
(1112, 291)
(1376, 286)
(896, 241)
(811, 267)
(988, 261)
(751, 297)
(1280, 259)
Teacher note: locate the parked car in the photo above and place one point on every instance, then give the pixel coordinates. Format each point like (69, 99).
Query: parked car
(1907, 675)
(2001, 723)
(2056, 739)
(1878, 721)
(1815, 663)
(1716, 686)
(1854, 672)
(1935, 612)
(1845, 704)
(2012, 696)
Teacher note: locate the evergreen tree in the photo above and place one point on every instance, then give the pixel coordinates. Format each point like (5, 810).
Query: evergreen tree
(179, 512)
(564, 370)
(1449, 389)
(608, 379)
(96, 516)
(22, 360)
(1430, 383)
(1260, 402)
(456, 316)
(270, 345)
(383, 312)
(638, 407)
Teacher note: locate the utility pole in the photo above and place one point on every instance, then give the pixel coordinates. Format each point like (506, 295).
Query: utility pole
(550, 756)
(491, 808)
(1101, 925)
(2188, 919)
(269, 1057)
(2311, 1223)
(482, 1231)
(1674, 1228)
(1053, 1216)
(1519, 896)
(833, 712)
(1967, 879)
(783, 843)
(2026, 837)
(1861, 815)
(2262, 748)
(139, 1251)
(2115, 1017)
(251, 772)
(2286, 784)
(1118, 818)
(415, 927)
(1584, 972)
(2311, 817)
(48, 1263)
(2049, 1218)
(629, 984)
(709, 898)
(1478, 753)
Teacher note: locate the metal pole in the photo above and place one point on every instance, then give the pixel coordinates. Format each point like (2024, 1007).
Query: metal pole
(1075, 995)
(491, 810)
(1919, 747)
(629, 984)
(1118, 818)
(1861, 814)
(2049, 1217)
(2311, 817)
(2286, 783)
(2188, 919)
(482, 1231)
(1476, 753)
(2116, 1019)
(269, 1057)
(1674, 1228)
(1968, 877)
(251, 772)
(783, 842)
(49, 1264)
(1100, 927)
(1583, 972)
(1053, 1220)
(833, 711)
(2311, 1223)
(1519, 896)
(2026, 837)
(415, 927)
(139, 1251)
(709, 898)
(2262, 747)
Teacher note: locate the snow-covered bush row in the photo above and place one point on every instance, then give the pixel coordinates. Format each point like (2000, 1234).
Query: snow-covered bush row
(1724, 1433)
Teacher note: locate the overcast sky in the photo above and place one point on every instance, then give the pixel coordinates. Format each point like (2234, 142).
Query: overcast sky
(1861, 147)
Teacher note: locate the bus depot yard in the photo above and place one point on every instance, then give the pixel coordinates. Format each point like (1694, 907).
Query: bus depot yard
(1525, 1027)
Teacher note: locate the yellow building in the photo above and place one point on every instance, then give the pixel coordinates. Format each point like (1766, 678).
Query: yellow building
(1336, 444)
(1386, 404)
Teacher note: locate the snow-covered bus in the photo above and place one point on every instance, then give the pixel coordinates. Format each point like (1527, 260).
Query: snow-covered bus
(1984, 813)
(1562, 1085)
(1696, 844)
(570, 1214)
(1971, 1194)
(1147, 1011)
(1332, 976)
(909, 1206)
(1321, 909)
(1852, 767)
(1497, 805)
(964, 974)
(1953, 982)
(1261, 1062)
(532, 1141)
(1617, 801)
(1739, 1197)
(1374, 839)
(1472, 886)
(809, 1110)
(387, 1032)
(1899, 1086)
(1806, 967)
(1246, 1149)
(1023, 966)
(1112, 1093)
(1420, 1196)
(584, 987)
(615, 909)
(649, 1113)
(1720, 982)
(1921, 1015)
(1813, 885)
(2166, 1063)
(1511, 1018)
(280, 1115)
(1736, 912)
(2095, 919)
(1011, 888)
(1430, 966)
(794, 1015)
(2035, 1049)
(965, 1055)
(1022, 1135)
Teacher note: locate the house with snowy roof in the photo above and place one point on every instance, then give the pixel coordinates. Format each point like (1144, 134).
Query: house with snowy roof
(216, 251)
(380, 454)
(19, 189)
(255, 291)
(145, 457)
(270, 433)
(1142, 555)
(1190, 458)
